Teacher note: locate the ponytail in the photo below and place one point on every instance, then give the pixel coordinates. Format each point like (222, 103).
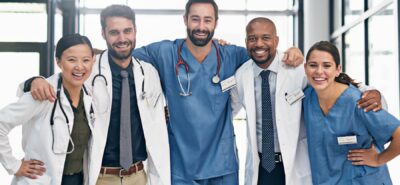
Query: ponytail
(345, 79)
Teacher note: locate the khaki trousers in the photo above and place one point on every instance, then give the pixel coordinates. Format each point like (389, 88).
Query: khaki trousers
(138, 178)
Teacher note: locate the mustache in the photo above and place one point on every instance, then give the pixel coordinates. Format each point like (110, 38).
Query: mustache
(122, 43)
(201, 31)
(258, 48)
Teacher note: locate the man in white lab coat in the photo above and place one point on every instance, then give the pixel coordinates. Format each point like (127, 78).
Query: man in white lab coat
(287, 162)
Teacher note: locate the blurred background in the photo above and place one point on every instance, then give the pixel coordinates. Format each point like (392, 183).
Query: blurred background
(365, 31)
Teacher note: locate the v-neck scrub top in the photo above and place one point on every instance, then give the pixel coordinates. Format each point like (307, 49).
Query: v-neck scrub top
(328, 159)
(201, 135)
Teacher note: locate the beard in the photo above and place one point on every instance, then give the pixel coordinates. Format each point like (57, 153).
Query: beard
(269, 58)
(119, 55)
(197, 41)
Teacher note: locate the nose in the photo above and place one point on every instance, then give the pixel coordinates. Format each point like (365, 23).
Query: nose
(79, 65)
(319, 70)
(259, 42)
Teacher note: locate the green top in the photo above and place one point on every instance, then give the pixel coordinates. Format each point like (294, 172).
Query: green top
(80, 136)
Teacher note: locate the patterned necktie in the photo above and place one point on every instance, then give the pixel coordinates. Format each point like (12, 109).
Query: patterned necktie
(125, 138)
(268, 150)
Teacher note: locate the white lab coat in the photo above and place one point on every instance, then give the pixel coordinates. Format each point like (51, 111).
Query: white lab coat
(37, 135)
(151, 110)
(290, 126)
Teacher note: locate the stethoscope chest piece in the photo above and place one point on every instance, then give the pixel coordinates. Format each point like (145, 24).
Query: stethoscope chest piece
(215, 79)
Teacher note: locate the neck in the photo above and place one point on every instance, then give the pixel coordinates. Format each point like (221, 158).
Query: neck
(123, 63)
(264, 65)
(74, 94)
(199, 52)
(327, 97)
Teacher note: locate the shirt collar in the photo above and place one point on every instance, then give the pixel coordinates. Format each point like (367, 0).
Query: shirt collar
(273, 67)
(116, 69)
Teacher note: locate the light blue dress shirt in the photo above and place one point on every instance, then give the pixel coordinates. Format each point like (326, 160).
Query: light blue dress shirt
(273, 67)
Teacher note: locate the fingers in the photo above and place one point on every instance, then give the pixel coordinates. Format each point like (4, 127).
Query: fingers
(370, 100)
(42, 90)
(369, 104)
(31, 169)
(50, 94)
(293, 57)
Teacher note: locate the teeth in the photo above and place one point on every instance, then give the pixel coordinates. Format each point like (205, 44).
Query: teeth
(77, 74)
(260, 51)
(123, 45)
(319, 79)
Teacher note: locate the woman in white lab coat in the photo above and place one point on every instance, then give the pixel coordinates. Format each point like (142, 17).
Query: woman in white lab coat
(57, 136)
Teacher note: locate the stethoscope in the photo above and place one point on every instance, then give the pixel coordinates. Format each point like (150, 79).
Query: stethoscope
(215, 79)
(91, 113)
(99, 75)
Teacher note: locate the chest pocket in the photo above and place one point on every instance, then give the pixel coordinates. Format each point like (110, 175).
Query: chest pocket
(220, 98)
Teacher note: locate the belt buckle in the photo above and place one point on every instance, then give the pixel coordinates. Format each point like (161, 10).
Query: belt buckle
(120, 172)
(278, 159)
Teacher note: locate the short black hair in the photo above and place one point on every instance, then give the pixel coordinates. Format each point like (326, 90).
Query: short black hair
(212, 2)
(116, 11)
(70, 40)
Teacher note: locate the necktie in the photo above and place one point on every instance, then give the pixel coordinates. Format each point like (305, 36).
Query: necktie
(125, 138)
(268, 150)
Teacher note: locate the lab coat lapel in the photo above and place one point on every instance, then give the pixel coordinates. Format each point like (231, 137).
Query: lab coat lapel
(106, 71)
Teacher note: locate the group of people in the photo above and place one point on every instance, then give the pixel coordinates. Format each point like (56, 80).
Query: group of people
(102, 120)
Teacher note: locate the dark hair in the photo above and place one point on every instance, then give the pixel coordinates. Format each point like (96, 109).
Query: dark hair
(70, 40)
(116, 11)
(334, 52)
(212, 2)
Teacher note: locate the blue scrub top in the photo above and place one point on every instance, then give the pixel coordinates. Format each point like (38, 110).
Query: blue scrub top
(328, 159)
(201, 135)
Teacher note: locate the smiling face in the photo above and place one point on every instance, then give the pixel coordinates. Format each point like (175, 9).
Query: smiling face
(261, 41)
(321, 70)
(200, 23)
(76, 65)
(120, 35)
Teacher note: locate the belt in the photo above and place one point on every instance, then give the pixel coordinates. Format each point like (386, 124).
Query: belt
(278, 157)
(120, 171)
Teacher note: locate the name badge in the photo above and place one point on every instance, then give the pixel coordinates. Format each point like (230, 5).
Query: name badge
(228, 83)
(294, 96)
(347, 140)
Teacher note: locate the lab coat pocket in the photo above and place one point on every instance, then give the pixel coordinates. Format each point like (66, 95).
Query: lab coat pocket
(44, 179)
(61, 134)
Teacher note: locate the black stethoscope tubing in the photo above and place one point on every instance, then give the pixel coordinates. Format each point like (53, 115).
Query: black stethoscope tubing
(91, 113)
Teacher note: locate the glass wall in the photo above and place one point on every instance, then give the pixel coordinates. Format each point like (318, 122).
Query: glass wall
(383, 64)
(168, 23)
(371, 52)
(354, 55)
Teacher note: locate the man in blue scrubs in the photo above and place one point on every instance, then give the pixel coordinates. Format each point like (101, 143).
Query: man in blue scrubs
(201, 134)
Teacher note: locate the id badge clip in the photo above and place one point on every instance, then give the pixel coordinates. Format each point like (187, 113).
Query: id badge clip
(294, 96)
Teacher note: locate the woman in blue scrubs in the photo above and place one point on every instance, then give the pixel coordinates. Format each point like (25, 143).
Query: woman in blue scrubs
(346, 144)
